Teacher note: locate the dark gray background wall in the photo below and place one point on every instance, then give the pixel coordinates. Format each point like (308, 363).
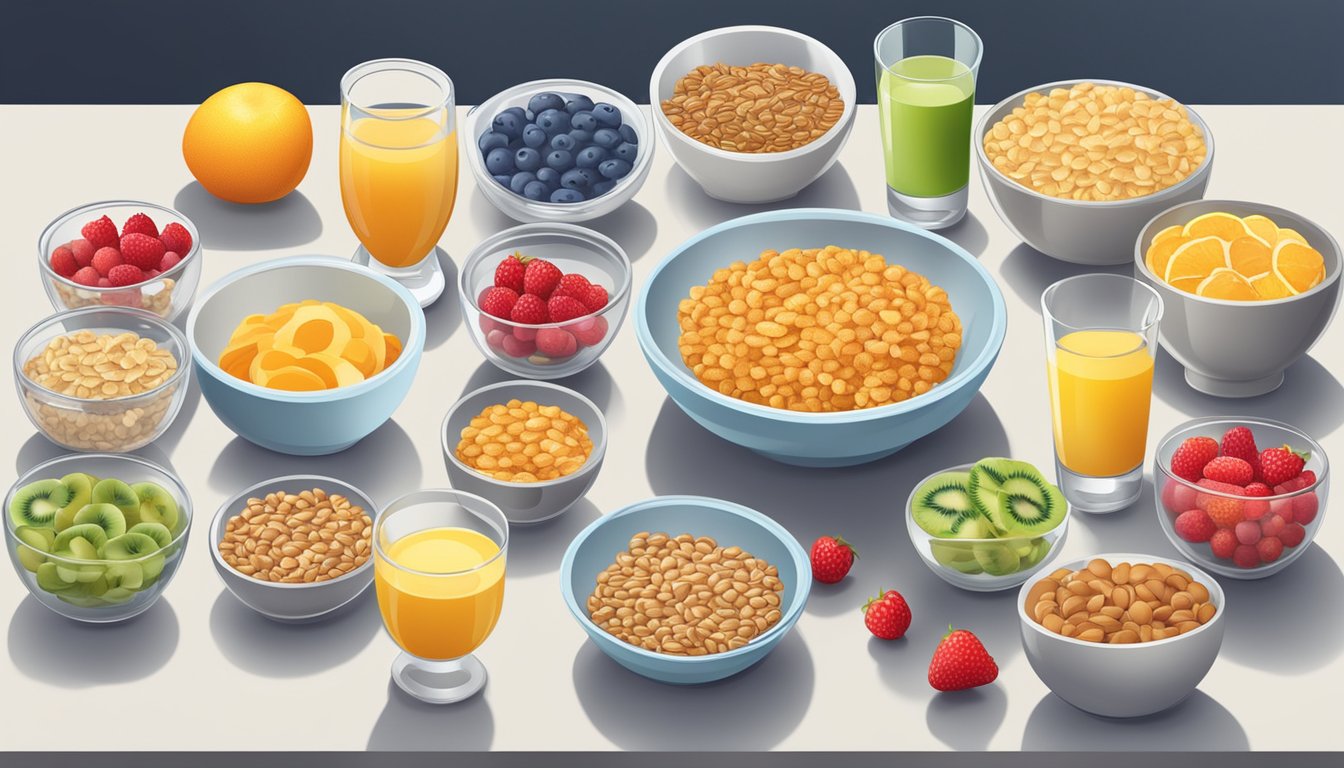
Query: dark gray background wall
(180, 51)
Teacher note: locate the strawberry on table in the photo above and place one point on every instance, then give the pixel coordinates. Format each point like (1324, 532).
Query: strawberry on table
(1279, 465)
(1190, 457)
(887, 616)
(509, 273)
(140, 223)
(961, 662)
(832, 557)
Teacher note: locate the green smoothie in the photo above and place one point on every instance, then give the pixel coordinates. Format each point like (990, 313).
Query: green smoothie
(924, 103)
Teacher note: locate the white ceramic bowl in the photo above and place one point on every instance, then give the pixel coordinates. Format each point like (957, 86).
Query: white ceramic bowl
(1123, 680)
(741, 177)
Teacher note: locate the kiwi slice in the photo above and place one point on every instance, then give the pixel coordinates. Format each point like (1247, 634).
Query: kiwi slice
(36, 504)
(80, 486)
(1014, 496)
(34, 543)
(997, 559)
(136, 546)
(79, 574)
(957, 555)
(119, 495)
(105, 516)
(129, 576)
(156, 531)
(942, 506)
(117, 595)
(1039, 549)
(48, 580)
(90, 534)
(156, 505)
(80, 600)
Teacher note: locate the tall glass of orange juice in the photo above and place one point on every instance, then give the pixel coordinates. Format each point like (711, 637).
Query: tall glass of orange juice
(1101, 344)
(399, 168)
(439, 572)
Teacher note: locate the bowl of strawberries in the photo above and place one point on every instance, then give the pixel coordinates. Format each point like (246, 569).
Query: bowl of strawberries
(1240, 497)
(122, 253)
(544, 300)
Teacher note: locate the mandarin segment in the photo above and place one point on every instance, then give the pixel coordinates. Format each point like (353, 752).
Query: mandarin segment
(1223, 226)
(1223, 256)
(1196, 259)
(1300, 266)
(1226, 284)
(1249, 256)
(1263, 228)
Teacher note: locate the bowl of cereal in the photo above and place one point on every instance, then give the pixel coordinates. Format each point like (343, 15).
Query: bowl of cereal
(295, 549)
(1081, 189)
(753, 114)
(809, 381)
(531, 447)
(695, 546)
(107, 379)
(1122, 635)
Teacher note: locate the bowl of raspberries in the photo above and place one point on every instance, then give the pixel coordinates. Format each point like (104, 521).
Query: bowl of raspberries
(1240, 497)
(122, 253)
(544, 300)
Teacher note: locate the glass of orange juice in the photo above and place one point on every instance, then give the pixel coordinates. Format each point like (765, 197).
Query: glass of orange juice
(1101, 343)
(399, 168)
(439, 572)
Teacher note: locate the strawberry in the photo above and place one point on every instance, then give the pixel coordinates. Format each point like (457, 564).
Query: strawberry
(101, 233)
(123, 275)
(516, 347)
(529, 310)
(556, 342)
(1248, 532)
(1292, 534)
(1304, 480)
(887, 616)
(1178, 497)
(87, 276)
(1223, 543)
(1279, 465)
(1246, 556)
(573, 284)
(832, 557)
(540, 277)
(1305, 507)
(105, 259)
(499, 302)
(83, 251)
(960, 661)
(1195, 525)
(170, 260)
(63, 261)
(596, 299)
(590, 331)
(562, 308)
(140, 223)
(1239, 443)
(1230, 470)
(175, 238)
(1270, 549)
(509, 273)
(1257, 509)
(1301, 508)
(142, 250)
(1226, 512)
(1190, 457)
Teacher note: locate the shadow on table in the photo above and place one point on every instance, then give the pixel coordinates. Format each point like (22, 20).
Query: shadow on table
(632, 226)
(408, 724)
(969, 233)
(445, 314)
(1135, 529)
(292, 220)
(966, 720)
(1029, 272)
(72, 654)
(172, 436)
(38, 449)
(833, 190)
(753, 710)
(594, 383)
(536, 550)
(256, 644)
(1258, 612)
(1198, 723)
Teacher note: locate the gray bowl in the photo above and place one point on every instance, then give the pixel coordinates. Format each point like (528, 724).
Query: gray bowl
(291, 603)
(1080, 231)
(1241, 348)
(524, 503)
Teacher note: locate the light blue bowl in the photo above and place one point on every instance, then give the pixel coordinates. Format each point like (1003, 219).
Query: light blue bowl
(730, 524)
(304, 423)
(822, 439)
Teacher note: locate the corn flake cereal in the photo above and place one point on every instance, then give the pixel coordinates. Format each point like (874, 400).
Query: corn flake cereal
(523, 442)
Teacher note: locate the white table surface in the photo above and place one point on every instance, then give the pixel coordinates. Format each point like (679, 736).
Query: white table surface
(200, 671)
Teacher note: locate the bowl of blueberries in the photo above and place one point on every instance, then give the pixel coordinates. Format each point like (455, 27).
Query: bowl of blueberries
(558, 150)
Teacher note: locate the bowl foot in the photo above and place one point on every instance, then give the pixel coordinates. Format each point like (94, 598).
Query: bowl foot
(301, 450)
(829, 461)
(1228, 388)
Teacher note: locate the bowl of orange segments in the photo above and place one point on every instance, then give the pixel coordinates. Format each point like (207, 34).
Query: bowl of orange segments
(1248, 289)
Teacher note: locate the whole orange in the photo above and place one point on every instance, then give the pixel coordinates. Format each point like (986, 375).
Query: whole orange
(249, 143)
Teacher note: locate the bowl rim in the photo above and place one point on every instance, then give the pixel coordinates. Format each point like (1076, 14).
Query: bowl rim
(1270, 211)
(589, 237)
(411, 346)
(630, 113)
(912, 527)
(44, 241)
(181, 375)
(671, 133)
(219, 519)
(589, 464)
(1248, 421)
(987, 168)
(183, 502)
(1217, 596)
(786, 620)
(652, 352)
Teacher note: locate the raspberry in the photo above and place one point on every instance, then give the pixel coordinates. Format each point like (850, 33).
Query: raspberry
(529, 310)
(1257, 509)
(564, 307)
(101, 233)
(556, 342)
(1269, 549)
(1223, 543)
(523, 333)
(1273, 525)
(139, 223)
(495, 337)
(105, 259)
(143, 251)
(63, 262)
(590, 331)
(1247, 532)
(1292, 534)
(123, 275)
(103, 282)
(1239, 442)
(1226, 512)
(540, 278)
(83, 251)
(1246, 556)
(509, 273)
(170, 260)
(1178, 497)
(86, 276)
(176, 238)
(515, 347)
(1230, 470)
(1195, 526)
(1190, 457)
(574, 285)
(596, 298)
(1279, 465)
(499, 302)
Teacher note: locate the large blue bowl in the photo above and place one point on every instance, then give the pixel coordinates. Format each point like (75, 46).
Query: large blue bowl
(730, 524)
(304, 423)
(822, 439)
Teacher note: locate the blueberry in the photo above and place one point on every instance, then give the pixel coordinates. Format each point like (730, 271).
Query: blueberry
(606, 138)
(577, 103)
(606, 115)
(544, 101)
(553, 121)
(590, 157)
(626, 151)
(535, 190)
(500, 161)
(489, 140)
(577, 178)
(566, 196)
(614, 169)
(516, 144)
(527, 159)
(564, 141)
(510, 122)
(534, 137)
(548, 176)
(560, 160)
(603, 187)
(503, 178)
(584, 121)
(581, 138)
(628, 133)
(520, 180)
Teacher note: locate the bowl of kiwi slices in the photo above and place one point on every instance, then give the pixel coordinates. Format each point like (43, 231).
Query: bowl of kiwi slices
(96, 537)
(986, 526)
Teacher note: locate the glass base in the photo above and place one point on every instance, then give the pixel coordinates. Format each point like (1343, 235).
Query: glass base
(438, 682)
(1225, 388)
(424, 280)
(929, 212)
(1099, 495)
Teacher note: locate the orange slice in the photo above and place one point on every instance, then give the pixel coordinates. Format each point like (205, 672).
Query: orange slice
(314, 329)
(1227, 284)
(1159, 253)
(1196, 259)
(393, 349)
(334, 371)
(1287, 233)
(1172, 231)
(295, 379)
(1223, 226)
(1249, 256)
(1300, 266)
(1263, 228)
(1269, 286)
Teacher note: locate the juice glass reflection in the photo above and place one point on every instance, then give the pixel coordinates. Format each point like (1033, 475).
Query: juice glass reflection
(398, 159)
(439, 558)
(1101, 342)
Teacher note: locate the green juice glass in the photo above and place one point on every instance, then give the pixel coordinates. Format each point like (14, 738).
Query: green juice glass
(926, 68)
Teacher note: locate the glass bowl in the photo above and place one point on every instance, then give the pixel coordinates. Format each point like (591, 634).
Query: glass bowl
(1293, 518)
(513, 347)
(167, 295)
(97, 590)
(114, 425)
